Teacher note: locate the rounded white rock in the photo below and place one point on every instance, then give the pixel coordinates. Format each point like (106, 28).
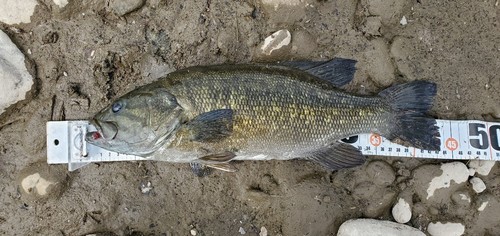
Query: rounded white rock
(401, 211)
(371, 227)
(482, 167)
(477, 184)
(446, 229)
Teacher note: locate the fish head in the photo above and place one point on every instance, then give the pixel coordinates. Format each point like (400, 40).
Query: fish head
(137, 123)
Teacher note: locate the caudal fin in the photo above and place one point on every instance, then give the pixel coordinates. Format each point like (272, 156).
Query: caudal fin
(410, 102)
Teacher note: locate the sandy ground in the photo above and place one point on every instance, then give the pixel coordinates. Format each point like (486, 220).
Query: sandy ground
(84, 55)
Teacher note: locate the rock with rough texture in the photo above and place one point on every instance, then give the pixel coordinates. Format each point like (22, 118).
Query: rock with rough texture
(381, 173)
(15, 12)
(461, 198)
(477, 184)
(123, 7)
(371, 227)
(452, 172)
(40, 181)
(380, 67)
(401, 211)
(389, 10)
(275, 43)
(446, 229)
(15, 79)
(482, 167)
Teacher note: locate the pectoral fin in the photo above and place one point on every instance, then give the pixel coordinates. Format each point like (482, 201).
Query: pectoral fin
(336, 156)
(211, 126)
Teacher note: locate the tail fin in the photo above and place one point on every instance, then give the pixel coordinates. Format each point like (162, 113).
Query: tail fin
(410, 103)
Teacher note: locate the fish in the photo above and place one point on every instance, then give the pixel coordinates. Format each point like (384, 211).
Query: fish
(209, 116)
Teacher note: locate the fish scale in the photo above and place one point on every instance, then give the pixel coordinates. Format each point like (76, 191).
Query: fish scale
(289, 114)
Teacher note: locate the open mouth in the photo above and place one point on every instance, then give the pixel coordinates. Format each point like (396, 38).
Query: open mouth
(105, 130)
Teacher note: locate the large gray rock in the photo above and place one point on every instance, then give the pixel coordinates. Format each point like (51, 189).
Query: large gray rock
(15, 79)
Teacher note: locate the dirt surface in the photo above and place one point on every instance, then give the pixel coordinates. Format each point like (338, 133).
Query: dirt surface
(90, 52)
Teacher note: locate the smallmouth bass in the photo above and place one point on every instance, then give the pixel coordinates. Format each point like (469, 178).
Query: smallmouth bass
(210, 115)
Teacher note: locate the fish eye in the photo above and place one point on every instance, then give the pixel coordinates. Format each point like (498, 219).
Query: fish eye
(116, 107)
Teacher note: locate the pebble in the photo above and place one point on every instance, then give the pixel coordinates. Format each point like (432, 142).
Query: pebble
(453, 171)
(483, 206)
(403, 21)
(380, 173)
(193, 232)
(263, 231)
(15, 11)
(477, 184)
(461, 198)
(446, 229)
(276, 41)
(482, 167)
(401, 211)
(15, 79)
(372, 26)
(372, 227)
(242, 230)
(123, 7)
(146, 187)
(61, 3)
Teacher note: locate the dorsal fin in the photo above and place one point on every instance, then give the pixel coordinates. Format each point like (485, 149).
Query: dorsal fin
(338, 71)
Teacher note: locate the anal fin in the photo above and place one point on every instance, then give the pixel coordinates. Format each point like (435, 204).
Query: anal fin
(336, 156)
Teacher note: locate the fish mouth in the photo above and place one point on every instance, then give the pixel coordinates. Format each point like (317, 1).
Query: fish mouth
(105, 130)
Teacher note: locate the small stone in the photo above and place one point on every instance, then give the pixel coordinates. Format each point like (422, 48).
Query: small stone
(146, 187)
(453, 171)
(446, 229)
(403, 21)
(482, 167)
(483, 206)
(263, 231)
(242, 230)
(193, 232)
(275, 42)
(123, 7)
(461, 198)
(363, 227)
(433, 210)
(15, 12)
(472, 171)
(61, 3)
(477, 184)
(14, 76)
(401, 211)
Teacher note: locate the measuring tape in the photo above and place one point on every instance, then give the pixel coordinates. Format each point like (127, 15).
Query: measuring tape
(460, 140)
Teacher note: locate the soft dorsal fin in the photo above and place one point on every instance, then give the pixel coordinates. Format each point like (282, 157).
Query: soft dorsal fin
(211, 126)
(338, 71)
